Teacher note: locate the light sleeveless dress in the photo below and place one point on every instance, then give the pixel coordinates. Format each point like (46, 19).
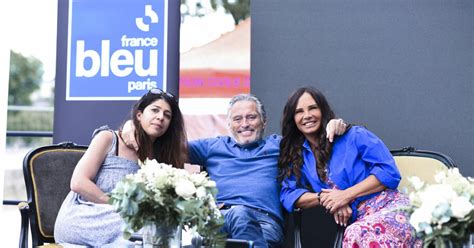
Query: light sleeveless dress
(84, 223)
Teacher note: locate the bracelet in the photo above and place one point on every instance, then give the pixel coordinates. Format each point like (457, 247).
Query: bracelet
(319, 194)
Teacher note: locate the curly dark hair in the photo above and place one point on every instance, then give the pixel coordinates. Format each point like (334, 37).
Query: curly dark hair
(171, 147)
(291, 157)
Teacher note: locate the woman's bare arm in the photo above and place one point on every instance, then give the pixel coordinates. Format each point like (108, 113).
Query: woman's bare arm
(88, 166)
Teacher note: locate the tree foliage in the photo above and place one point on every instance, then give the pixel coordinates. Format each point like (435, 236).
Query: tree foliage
(29, 121)
(25, 78)
(239, 9)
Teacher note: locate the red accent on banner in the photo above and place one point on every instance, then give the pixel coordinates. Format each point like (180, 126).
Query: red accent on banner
(213, 83)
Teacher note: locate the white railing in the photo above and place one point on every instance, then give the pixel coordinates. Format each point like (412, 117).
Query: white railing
(30, 108)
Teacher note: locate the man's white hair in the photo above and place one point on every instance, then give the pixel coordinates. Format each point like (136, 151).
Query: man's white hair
(247, 97)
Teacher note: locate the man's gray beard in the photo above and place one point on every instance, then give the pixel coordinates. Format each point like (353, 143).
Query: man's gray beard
(258, 137)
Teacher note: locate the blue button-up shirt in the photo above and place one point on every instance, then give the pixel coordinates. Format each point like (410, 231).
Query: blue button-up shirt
(244, 174)
(355, 155)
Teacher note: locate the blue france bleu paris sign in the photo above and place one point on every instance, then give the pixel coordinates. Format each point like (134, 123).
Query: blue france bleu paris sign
(116, 48)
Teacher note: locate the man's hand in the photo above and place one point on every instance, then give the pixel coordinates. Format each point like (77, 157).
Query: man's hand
(128, 135)
(335, 127)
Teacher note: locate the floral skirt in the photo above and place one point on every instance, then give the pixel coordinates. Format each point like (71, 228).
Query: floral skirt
(378, 225)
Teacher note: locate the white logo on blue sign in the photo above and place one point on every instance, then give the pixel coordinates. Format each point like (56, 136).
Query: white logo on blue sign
(151, 14)
(117, 49)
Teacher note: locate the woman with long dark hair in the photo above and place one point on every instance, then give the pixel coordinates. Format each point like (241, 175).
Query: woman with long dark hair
(354, 178)
(85, 218)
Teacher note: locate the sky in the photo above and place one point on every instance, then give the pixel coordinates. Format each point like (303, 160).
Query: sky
(31, 26)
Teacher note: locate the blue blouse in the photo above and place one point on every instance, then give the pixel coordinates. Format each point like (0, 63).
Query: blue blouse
(355, 155)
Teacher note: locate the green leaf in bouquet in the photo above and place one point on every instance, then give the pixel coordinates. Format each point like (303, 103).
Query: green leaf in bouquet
(132, 208)
(188, 205)
(124, 204)
(213, 191)
(140, 194)
(440, 242)
(130, 188)
(446, 231)
(126, 234)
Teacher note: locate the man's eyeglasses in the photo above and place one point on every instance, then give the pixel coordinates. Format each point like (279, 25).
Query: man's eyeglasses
(157, 91)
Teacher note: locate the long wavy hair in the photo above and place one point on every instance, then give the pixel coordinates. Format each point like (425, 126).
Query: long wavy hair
(169, 148)
(291, 156)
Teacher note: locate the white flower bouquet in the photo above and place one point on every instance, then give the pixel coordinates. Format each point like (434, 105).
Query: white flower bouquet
(159, 193)
(442, 211)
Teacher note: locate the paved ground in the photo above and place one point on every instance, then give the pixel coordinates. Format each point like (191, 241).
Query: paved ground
(10, 226)
(13, 189)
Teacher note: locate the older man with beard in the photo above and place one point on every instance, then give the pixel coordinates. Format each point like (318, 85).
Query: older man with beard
(245, 170)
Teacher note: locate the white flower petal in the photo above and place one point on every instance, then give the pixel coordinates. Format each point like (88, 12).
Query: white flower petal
(461, 207)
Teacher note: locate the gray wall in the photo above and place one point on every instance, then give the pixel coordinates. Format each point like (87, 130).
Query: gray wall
(404, 69)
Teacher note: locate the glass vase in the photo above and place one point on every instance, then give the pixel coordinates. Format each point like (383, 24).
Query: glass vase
(158, 235)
